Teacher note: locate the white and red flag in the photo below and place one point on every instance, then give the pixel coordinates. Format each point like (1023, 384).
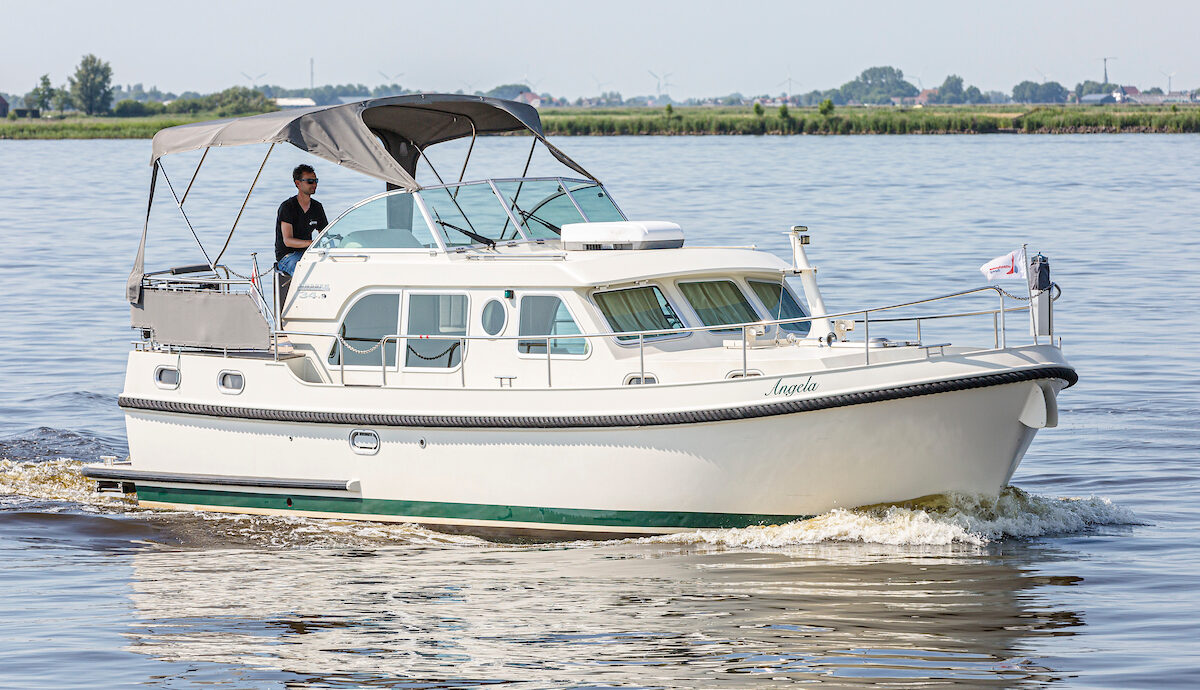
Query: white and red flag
(1011, 265)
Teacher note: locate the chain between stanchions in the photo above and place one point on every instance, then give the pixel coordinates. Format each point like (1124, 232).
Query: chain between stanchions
(443, 354)
(1026, 298)
(232, 272)
(355, 350)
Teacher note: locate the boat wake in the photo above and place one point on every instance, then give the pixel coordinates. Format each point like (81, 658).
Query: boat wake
(930, 521)
(57, 483)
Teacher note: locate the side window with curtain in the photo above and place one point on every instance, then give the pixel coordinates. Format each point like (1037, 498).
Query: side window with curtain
(543, 315)
(718, 302)
(781, 304)
(371, 318)
(637, 309)
(440, 315)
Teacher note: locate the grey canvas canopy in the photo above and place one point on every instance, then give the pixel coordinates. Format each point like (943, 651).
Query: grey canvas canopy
(380, 137)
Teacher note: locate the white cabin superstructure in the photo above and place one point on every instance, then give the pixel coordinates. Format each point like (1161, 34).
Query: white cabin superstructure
(516, 356)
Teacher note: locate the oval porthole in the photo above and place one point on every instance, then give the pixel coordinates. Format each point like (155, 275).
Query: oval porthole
(494, 317)
(231, 382)
(364, 441)
(166, 377)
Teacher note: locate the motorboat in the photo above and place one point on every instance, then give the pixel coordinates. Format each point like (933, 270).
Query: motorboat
(515, 356)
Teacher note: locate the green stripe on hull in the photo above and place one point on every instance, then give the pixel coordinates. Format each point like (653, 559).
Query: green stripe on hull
(461, 511)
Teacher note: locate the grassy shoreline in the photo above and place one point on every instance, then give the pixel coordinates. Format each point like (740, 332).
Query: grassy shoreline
(734, 121)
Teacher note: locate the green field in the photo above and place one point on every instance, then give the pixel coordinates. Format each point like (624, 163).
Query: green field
(733, 120)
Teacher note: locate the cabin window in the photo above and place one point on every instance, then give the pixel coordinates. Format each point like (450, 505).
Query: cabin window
(389, 222)
(370, 319)
(637, 309)
(543, 315)
(437, 315)
(542, 206)
(494, 316)
(785, 308)
(718, 302)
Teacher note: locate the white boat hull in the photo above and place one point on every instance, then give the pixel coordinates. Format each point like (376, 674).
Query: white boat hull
(903, 441)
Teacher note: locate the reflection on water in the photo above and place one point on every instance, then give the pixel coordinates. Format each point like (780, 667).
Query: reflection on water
(647, 614)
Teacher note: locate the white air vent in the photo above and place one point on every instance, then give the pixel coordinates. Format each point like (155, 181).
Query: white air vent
(628, 234)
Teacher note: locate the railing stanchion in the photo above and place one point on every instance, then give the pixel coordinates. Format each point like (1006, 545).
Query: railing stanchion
(1003, 325)
(918, 330)
(462, 358)
(642, 357)
(549, 381)
(342, 360)
(867, 336)
(745, 338)
(995, 330)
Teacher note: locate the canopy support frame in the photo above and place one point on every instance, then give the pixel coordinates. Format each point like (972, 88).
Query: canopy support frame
(187, 220)
(244, 201)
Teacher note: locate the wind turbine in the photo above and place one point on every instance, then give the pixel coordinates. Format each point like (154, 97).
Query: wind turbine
(658, 82)
(787, 81)
(391, 78)
(1168, 76)
(1045, 76)
(600, 84)
(469, 84)
(1105, 61)
(253, 80)
(529, 82)
(667, 84)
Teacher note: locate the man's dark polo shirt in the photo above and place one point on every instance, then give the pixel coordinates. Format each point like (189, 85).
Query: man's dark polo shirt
(304, 225)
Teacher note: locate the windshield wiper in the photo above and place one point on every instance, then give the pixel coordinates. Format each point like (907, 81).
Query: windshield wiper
(528, 216)
(478, 238)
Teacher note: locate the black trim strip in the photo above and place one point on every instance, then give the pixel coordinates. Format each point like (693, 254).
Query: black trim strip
(132, 475)
(594, 421)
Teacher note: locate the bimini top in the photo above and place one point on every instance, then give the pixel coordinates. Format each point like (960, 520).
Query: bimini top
(380, 137)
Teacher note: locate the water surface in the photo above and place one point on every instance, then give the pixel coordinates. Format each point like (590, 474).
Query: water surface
(1083, 573)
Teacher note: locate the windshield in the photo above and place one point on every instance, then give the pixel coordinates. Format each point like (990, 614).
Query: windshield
(468, 214)
(544, 206)
(389, 222)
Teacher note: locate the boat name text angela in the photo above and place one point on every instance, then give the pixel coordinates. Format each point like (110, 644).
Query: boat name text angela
(790, 390)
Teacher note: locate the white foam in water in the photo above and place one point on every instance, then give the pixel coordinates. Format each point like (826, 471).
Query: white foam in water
(938, 520)
(941, 520)
(58, 480)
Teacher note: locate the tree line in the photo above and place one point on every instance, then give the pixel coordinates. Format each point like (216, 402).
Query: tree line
(90, 90)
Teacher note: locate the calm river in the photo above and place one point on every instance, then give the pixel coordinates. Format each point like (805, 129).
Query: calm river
(1085, 573)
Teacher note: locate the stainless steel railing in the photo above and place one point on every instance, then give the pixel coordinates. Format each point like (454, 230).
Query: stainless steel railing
(749, 333)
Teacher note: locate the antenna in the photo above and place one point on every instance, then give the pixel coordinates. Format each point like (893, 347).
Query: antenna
(1168, 76)
(1105, 61)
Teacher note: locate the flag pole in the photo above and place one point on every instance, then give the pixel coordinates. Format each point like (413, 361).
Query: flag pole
(1029, 291)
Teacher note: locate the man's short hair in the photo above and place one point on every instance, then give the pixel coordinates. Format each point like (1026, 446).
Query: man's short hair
(299, 170)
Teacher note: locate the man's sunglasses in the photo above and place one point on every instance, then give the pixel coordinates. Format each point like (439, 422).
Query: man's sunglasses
(310, 180)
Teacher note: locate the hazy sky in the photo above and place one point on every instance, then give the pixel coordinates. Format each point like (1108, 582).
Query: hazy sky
(580, 48)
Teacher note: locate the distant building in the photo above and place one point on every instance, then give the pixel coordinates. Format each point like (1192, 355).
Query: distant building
(1098, 99)
(3, 107)
(289, 103)
(926, 96)
(529, 98)
(27, 112)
